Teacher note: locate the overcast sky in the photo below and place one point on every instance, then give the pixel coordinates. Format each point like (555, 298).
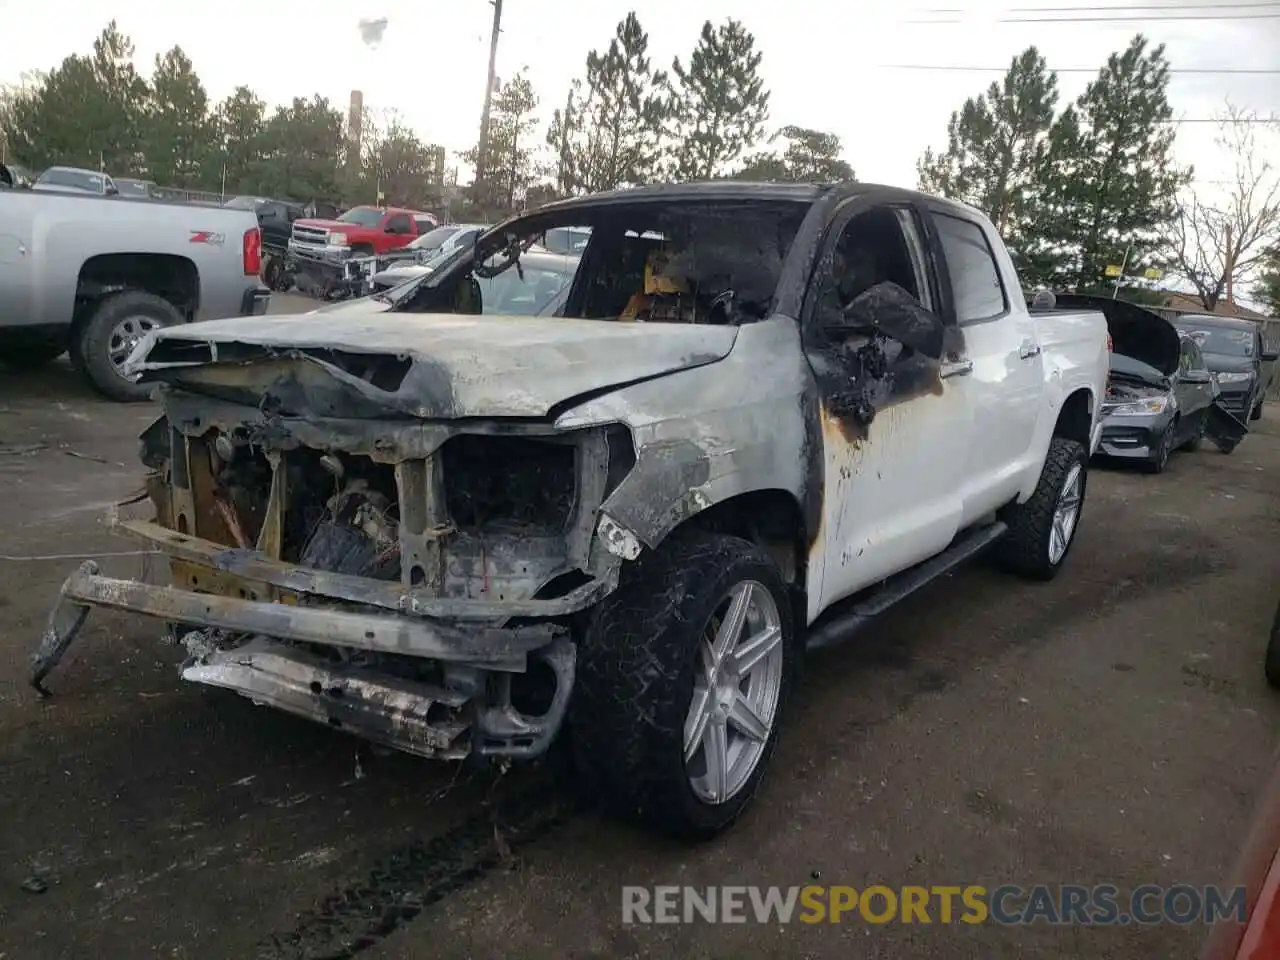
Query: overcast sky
(828, 64)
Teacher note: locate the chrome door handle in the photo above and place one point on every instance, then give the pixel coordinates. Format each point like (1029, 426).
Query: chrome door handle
(958, 369)
(1028, 350)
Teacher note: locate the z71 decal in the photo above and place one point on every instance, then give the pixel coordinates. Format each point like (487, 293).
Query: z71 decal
(208, 236)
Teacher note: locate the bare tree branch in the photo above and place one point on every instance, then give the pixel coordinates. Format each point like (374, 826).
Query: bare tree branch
(1214, 246)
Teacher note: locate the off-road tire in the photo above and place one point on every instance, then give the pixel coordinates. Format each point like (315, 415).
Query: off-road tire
(32, 354)
(1272, 664)
(1024, 550)
(635, 678)
(96, 337)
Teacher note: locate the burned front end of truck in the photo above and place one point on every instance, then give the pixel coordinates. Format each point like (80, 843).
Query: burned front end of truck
(414, 584)
(392, 523)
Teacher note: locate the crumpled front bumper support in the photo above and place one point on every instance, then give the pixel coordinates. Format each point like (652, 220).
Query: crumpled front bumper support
(388, 710)
(367, 703)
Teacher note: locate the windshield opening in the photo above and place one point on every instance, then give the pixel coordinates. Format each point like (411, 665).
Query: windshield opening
(432, 240)
(362, 216)
(655, 261)
(1224, 341)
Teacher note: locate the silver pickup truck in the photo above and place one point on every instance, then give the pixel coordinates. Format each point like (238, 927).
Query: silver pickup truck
(91, 275)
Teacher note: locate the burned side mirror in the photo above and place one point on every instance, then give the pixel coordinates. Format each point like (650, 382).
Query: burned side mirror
(891, 311)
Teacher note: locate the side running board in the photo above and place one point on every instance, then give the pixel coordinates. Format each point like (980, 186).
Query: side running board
(847, 618)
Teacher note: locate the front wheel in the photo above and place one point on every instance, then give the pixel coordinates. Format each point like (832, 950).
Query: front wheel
(683, 679)
(1256, 412)
(1164, 446)
(1042, 530)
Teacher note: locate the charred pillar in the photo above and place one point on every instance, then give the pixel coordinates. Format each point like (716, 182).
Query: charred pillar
(424, 523)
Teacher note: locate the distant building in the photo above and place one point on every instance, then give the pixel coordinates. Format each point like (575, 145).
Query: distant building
(1186, 303)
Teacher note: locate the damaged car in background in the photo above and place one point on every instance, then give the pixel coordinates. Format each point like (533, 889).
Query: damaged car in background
(760, 415)
(1160, 394)
(366, 275)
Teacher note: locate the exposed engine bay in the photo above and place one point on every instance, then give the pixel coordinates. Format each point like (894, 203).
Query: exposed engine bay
(1126, 391)
(293, 570)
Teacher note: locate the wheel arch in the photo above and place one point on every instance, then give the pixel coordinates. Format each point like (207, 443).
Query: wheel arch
(169, 276)
(1075, 418)
(771, 518)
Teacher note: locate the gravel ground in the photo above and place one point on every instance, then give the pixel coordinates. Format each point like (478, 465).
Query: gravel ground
(1110, 727)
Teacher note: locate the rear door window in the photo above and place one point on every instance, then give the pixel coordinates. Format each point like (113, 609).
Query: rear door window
(976, 286)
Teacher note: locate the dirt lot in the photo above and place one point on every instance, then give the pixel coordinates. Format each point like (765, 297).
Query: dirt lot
(1110, 727)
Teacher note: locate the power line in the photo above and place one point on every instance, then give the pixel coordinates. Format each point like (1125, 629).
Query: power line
(1207, 71)
(1143, 19)
(1112, 8)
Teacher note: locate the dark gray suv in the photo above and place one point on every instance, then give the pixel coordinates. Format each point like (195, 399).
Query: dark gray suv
(1234, 352)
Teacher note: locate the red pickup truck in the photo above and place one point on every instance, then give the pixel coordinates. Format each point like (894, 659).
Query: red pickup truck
(363, 231)
(318, 249)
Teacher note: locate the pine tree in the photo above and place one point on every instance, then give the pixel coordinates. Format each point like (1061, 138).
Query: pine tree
(612, 135)
(1108, 179)
(176, 129)
(510, 170)
(994, 143)
(87, 112)
(239, 121)
(811, 156)
(718, 104)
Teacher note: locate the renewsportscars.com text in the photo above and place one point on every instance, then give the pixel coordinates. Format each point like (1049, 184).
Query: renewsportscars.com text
(1063, 904)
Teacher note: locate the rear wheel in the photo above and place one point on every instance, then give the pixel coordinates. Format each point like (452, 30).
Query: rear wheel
(110, 334)
(1042, 530)
(273, 273)
(683, 681)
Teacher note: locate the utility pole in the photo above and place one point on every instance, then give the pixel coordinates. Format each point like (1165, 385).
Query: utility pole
(483, 147)
(1230, 268)
(1120, 276)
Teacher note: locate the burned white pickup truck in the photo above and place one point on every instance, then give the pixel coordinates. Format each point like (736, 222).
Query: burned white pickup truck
(762, 414)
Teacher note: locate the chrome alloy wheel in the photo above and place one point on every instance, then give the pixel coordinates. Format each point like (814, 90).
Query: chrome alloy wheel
(736, 693)
(1065, 515)
(126, 335)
